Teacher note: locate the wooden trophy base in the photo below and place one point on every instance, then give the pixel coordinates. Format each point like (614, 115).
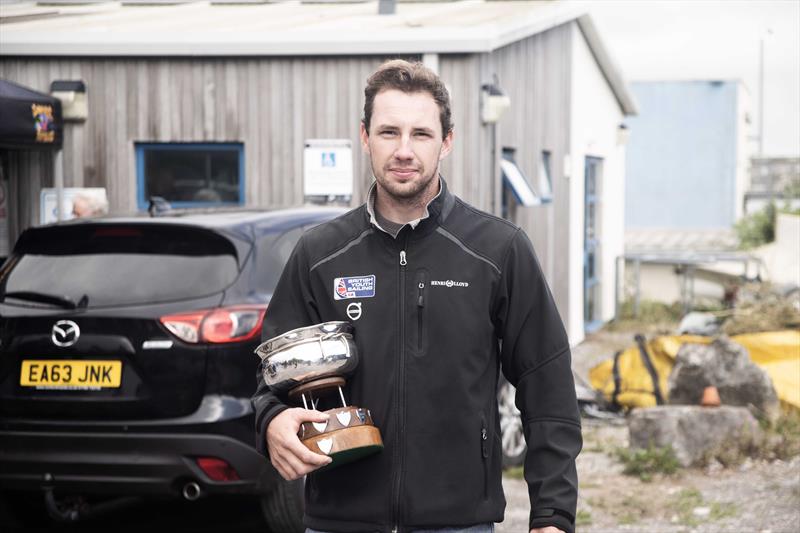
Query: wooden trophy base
(348, 436)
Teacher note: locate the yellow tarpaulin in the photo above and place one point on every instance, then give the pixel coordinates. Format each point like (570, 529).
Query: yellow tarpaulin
(777, 352)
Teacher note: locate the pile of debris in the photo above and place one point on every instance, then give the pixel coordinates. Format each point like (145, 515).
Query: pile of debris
(707, 392)
(763, 307)
(714, 392)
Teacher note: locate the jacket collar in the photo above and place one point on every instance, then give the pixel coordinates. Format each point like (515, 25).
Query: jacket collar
(437, 209)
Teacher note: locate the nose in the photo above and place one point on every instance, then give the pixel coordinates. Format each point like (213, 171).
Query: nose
(404, 151)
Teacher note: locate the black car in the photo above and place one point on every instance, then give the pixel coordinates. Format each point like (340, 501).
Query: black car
(127, 364)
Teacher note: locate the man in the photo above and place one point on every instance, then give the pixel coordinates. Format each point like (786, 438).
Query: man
(456, 295)
(84, 206)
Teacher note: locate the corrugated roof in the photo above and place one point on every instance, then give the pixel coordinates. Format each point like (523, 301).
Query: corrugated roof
(656, 240)
(288, 28)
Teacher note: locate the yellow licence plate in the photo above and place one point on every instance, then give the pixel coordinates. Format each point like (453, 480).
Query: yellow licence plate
(67, 374)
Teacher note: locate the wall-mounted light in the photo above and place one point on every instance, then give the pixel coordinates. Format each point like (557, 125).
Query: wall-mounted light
(494, 102)
(74, 104)
(623, 134)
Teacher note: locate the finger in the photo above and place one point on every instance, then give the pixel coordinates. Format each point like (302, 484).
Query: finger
(297, 467)
(282, 471)
(307, 456)
(309, 415)
(291, 465)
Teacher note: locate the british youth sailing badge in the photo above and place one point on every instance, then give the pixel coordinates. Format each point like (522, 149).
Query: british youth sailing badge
(354, 287)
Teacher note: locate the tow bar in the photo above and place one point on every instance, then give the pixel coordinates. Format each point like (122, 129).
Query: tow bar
(74, 508)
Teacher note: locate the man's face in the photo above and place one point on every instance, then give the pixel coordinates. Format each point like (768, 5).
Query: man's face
(405, 144)
(80, 208)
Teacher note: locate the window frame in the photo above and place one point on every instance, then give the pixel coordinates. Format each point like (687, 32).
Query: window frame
(140, 148)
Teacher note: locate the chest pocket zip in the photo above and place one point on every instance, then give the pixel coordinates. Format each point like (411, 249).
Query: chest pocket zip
(421, 280)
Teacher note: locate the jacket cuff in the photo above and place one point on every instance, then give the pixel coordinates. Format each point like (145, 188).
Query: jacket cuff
(552, 517)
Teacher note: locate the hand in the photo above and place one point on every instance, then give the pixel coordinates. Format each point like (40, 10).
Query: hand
(548, 529)
(288, 455)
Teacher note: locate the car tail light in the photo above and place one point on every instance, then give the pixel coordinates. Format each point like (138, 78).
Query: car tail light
(217, 469)
(215, 326)
(185, 326)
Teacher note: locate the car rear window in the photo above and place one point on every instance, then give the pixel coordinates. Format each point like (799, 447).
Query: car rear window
(108, 265)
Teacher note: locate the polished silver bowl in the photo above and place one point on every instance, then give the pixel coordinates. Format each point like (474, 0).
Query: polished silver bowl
(305, 354)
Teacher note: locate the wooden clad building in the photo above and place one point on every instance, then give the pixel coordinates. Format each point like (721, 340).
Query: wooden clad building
(248, 85)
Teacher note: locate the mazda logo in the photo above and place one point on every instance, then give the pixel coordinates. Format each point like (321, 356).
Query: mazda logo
(65, 333)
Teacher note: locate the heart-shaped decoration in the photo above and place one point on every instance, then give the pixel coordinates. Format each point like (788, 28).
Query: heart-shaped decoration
(320, 426)
(325, 445)
(343, 418)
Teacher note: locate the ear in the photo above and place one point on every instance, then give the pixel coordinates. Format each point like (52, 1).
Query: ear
(447, 145)
(364, 138)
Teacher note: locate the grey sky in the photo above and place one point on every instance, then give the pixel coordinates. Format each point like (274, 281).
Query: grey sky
(705, 39)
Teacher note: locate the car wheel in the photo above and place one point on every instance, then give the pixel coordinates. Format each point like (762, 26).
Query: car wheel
(512, 436)
(283, 507)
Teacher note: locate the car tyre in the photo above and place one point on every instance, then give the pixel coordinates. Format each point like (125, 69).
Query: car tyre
(512, 434)
(283, 507)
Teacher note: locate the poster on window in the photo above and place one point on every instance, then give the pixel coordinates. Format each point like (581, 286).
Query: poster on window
(328, 168)
(76, 202)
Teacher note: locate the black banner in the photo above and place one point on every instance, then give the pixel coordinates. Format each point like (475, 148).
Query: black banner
(29, 120)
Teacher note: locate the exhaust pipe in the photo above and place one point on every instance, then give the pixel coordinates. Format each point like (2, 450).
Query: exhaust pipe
(191, 491)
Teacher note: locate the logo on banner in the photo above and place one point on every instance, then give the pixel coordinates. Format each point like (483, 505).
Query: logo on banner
(354, 287)
(43, 118)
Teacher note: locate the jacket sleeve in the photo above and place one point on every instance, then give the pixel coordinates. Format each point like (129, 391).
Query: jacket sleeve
(292, 306)
(535, 358)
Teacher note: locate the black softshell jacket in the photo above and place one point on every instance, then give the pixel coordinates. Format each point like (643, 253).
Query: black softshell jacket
(455, 300)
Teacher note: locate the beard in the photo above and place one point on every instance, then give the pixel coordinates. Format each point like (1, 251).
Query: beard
(417, 192)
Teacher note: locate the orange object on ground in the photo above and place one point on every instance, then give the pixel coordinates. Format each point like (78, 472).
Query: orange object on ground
(710, 397)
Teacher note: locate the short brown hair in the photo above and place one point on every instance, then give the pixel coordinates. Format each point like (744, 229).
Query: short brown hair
(408, 77)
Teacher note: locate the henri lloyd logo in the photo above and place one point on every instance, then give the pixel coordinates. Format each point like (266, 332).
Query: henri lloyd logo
(354, 287)
(449, 283)
(65, 333)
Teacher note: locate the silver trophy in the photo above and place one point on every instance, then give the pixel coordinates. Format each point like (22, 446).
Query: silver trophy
(305, 364)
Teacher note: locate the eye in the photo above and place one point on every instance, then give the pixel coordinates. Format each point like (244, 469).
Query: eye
(422, 135)
(387, 133)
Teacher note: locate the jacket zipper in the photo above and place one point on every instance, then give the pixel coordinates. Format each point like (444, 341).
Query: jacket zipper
(400, 386)
(421, 306)
(485, 456)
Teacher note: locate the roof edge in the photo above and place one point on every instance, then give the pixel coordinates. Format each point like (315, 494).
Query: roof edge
(607, 65)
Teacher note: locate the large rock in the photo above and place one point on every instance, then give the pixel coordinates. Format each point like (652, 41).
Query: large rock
(727, 366)
(697, 434)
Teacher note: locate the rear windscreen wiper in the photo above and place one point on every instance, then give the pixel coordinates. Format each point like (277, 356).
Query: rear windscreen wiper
(33, 296)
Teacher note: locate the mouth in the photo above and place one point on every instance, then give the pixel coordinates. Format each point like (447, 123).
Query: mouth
(403, 172)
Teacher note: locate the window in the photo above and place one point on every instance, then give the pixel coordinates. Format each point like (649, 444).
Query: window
(122, 264)
(518, 183)
(545, 177)
(190, 174)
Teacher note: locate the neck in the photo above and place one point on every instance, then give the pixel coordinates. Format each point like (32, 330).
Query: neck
(404, 210)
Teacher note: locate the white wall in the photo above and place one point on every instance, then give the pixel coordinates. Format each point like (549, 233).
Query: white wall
(782, 257)
(594, 120)
(743, 147)
(660, 283)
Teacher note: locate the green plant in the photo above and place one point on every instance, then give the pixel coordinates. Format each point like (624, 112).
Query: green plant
(644, 463)
(687, 500)
(757, 228)
(782, 439)
(632, 509)
(515, 472)
(652, 317)
(583, 518)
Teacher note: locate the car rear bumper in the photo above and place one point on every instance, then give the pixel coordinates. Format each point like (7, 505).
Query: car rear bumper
(138, 458)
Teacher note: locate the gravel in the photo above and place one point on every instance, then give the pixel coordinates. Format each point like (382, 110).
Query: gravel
(757, 495)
